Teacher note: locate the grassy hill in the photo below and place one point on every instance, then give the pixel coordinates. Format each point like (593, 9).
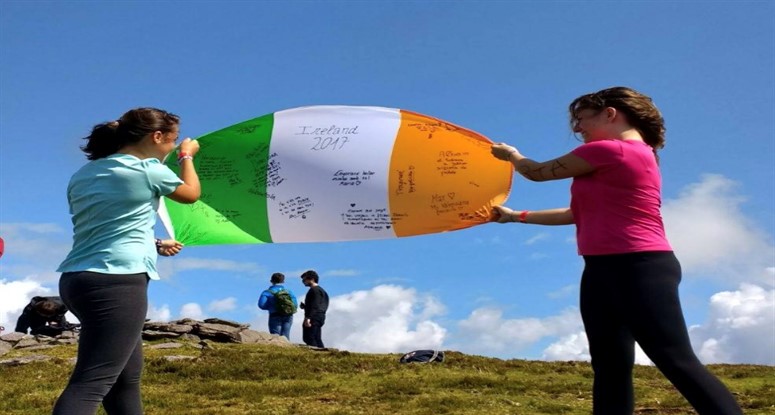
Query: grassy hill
(255, 379)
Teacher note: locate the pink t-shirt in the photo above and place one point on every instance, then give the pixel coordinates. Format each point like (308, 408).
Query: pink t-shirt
(616, 207)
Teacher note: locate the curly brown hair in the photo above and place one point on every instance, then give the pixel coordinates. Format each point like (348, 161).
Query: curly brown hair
(639, 110)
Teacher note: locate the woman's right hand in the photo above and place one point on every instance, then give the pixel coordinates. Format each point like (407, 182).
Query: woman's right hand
(189, 146)
(503, 151)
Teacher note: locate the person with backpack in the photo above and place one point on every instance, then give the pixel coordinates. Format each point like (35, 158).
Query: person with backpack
(281, 304)
(315, 306)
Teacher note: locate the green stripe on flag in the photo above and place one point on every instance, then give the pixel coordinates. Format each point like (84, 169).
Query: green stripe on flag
(232, 168)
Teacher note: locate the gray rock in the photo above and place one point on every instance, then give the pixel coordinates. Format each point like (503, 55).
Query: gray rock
(24, 360)
(44, 339)
(219, 332)
(169, 327)
(26, 342)
(250, 336)
(281, 341)
(226, 323)
(177, 358)
(189, 337)
(68, 335)
(155, 335)
(40, 347)
(171, 345)
(14, 337)
(66, 341)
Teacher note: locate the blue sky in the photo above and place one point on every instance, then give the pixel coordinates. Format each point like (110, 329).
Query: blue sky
(505, 69)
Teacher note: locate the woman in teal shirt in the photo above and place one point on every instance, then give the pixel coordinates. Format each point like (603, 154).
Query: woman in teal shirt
(113, 200)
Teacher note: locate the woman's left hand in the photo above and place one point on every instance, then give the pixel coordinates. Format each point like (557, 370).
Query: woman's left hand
(169, 247)
(503, 151)
(502, 214)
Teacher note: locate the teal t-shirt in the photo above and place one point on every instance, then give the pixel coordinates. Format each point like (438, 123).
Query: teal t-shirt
(113, 201)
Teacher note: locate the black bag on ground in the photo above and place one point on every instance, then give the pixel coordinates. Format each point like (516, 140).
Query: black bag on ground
(423, 356)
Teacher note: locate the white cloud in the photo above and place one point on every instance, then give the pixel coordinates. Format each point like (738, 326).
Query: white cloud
(214, 265)
(191, 310)
(225, 304)
(14, 296)
(341, 273)
(574, 346)
(711, 236)
(33, 251)
(539, 237)
(740, 327)
(563, 292)
(494, 240)
(159, 314)
(45, 242)
(385, 319)
(485, 331)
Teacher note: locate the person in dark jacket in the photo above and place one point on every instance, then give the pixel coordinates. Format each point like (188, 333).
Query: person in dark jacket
(43, 315)
(315, 305)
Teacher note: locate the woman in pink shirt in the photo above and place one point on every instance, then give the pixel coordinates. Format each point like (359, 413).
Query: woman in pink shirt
(629, 288)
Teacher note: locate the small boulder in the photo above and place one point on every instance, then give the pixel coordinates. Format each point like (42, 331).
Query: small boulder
(26, 342)
(14, 337)
(226, 322)
(156, 335)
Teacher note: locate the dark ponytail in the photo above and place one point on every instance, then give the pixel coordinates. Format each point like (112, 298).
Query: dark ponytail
(109, 137)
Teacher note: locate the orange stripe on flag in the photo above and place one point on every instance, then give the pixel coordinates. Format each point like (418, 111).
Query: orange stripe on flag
(452, 168)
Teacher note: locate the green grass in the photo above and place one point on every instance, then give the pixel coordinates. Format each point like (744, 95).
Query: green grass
(254, 379)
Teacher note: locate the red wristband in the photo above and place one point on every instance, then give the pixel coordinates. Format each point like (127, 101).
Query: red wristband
(184, 156)
(523, 216)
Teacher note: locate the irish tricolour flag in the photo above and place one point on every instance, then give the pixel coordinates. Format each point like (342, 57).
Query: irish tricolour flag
(338, 173)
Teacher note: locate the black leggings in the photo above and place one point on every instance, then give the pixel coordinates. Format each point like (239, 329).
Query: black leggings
(634, 297)
(112, 311)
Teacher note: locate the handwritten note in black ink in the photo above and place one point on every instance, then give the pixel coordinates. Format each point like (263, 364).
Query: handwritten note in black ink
(406, 181)
(352, 177)
(443, 203)
(367, 218)
(218, 168)
(432, 127)
(296, 208)
(450, 162)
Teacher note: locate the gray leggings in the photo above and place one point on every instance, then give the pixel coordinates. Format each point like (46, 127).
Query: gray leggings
(112, 309)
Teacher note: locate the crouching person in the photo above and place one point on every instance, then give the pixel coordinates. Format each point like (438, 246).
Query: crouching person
(44, 316)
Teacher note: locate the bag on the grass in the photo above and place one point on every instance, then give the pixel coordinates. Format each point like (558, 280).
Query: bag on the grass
(423, 356)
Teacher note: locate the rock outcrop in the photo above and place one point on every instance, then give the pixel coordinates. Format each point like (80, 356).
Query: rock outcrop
(179, 331)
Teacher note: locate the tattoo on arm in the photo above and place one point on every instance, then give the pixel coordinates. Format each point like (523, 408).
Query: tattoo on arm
(532, 174)
(539, 172)
(557, 165)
